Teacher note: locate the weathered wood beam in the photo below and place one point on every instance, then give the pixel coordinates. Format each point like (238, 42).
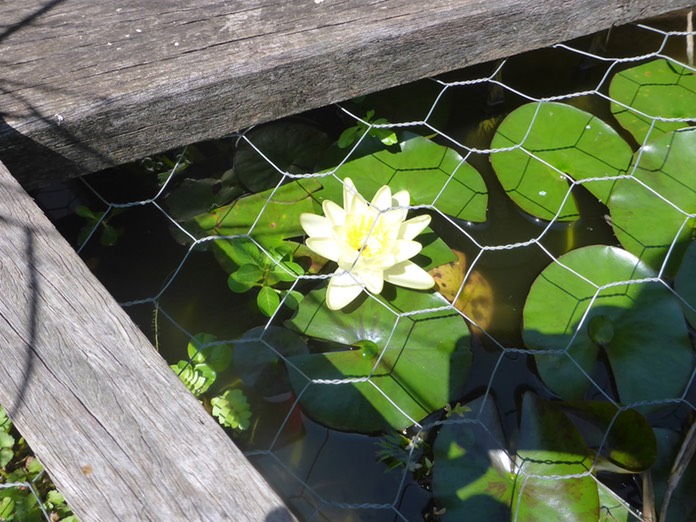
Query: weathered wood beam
(119, 434)
(87, 85)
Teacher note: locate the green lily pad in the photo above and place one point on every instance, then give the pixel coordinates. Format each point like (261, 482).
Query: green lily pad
(475, 479)
(685, 283)
(259, 358)
(648, 212)
(657, 89)
(388, 371)
(194, 196)
(432, 174)
(649, 352)
(612, 508)
(623, 438)
(283, 146)
(556, 139)
(269, 217)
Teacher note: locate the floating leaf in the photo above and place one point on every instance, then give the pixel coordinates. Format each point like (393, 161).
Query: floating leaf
(657, 89)
(191, 197)
(649, 211)
(649, 350)
(613, 508)
(623, 438)
(475, 479)
(259, 358)
(386, 356)
(473, 474)
(474, 299)
(270, 150)
(269, 217)
(432, 174)
(685, 283)
(554, 140)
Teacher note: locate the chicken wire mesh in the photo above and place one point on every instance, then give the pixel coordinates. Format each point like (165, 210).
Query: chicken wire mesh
(549, 372)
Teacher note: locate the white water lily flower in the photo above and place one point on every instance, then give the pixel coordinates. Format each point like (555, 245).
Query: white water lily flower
(371, 242)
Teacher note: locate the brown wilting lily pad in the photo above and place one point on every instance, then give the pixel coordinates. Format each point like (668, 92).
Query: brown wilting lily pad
(475, 300)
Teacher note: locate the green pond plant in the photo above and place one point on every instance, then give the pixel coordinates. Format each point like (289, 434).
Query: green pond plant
(26, 492)
(371, 243)
(311, 228)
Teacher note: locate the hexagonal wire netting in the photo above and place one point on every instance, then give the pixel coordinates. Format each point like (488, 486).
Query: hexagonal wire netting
(549, 373)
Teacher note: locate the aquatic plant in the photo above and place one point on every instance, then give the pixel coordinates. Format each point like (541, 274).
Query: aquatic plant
(371, 243)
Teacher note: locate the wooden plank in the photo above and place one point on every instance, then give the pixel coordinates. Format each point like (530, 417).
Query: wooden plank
(118, 432)
(87, 85)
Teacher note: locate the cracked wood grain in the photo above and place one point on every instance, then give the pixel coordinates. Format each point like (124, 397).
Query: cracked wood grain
(87, 85)
(119, 434)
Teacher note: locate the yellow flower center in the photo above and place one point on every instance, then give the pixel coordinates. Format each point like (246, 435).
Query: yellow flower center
(372, 235)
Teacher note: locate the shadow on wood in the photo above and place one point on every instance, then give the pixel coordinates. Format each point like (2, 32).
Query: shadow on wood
(102, 84)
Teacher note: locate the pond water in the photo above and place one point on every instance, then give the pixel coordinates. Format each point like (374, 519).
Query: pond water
(327, 474)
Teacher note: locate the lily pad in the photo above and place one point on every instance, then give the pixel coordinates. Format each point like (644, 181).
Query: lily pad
(649, 352)
(195, 196)
(556, 140)
(475, 479)
(270, 150)
(685, 283)
(623, 439)
(612, 508)
(387, 371)
(432, 174)
(269, 217)
(474, 298)
(657, 89)
(649, 211)
(259, 358)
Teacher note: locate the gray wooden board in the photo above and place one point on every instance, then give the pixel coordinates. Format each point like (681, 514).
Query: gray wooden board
(120, 435)
(86, 85)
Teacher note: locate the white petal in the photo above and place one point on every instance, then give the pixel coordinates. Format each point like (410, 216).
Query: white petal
(382, 199)
(342, 290)
(410, 275)
(315, 226)
(349, 192)
(372, 279)
(358, 207)
(413, 227)
(401, 199)
(324, 246)
(395, 216)
(404, 250)
(348, 259)
(333, 212)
